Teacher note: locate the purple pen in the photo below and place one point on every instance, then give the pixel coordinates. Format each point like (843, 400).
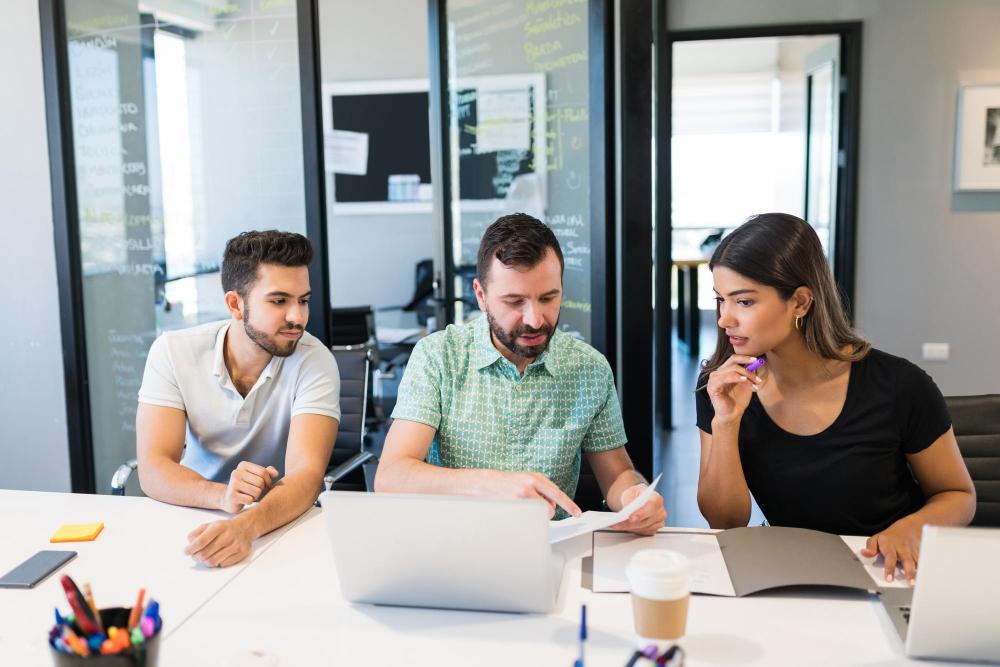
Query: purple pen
(754, 365)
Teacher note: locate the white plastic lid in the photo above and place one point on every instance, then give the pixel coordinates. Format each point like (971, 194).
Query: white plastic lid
(659, 574)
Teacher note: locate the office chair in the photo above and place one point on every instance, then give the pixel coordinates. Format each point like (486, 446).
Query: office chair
(121, 476)
(422, 302)
(976, 420)
(353, 328)
(349, 450)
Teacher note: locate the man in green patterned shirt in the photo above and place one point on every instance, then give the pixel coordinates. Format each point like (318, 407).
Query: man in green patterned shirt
(507, 404)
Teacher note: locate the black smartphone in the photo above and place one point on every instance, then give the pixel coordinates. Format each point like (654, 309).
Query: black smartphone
(36, 568)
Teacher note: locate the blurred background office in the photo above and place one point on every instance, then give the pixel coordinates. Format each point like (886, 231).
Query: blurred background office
(138, 137)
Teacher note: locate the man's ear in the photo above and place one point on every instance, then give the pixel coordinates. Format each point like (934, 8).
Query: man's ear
(234, 302)
(480, 291)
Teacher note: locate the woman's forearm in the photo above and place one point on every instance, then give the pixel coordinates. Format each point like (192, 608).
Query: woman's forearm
(723, 495)
(947, 508)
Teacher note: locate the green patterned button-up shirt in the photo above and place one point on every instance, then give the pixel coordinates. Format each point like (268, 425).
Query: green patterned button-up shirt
(488, 416)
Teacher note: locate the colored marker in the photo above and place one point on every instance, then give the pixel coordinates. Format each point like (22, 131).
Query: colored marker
(84, 616)
(153, 612)
(754, 365)
(583, 634)
(148, 626)
(88, 595)
(136, 614)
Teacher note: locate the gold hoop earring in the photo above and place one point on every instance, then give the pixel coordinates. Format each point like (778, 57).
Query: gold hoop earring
(798, 323)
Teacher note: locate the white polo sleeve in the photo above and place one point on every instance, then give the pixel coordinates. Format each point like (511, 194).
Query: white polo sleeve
(317, 390)
(159, 381)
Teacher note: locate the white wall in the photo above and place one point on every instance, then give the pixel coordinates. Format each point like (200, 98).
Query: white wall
(926, 257)
(373, 257)
(33, 439)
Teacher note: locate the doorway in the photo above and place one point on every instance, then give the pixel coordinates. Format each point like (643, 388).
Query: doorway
(762, 119)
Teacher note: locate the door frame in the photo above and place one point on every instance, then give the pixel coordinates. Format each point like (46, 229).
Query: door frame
(844, 244)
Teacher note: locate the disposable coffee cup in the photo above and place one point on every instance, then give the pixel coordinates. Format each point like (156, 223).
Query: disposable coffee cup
(661, 587)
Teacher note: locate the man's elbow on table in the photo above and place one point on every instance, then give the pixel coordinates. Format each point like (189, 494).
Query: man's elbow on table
(386, 479)
(151, 477)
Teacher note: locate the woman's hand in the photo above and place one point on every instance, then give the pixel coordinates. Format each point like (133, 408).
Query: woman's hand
(730, 387)
(899, 544)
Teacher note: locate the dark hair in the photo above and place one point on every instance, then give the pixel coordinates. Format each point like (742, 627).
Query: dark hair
(516, 240)
(784, 252)
(244, 253)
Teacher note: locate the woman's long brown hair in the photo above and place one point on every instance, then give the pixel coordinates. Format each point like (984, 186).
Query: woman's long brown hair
(784, 252)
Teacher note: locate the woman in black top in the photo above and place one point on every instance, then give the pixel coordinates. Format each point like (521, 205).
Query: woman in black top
(829, 433)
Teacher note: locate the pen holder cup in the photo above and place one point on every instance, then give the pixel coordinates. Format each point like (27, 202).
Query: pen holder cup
(144, 655)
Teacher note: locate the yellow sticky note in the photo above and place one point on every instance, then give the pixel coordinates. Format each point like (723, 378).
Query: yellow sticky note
(78, 532)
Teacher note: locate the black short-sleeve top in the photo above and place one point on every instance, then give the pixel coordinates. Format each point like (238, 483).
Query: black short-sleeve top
(852, 478)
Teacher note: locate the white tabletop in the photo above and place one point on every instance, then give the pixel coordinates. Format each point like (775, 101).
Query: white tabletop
(284, 604)
(303, 620)
(142, 545)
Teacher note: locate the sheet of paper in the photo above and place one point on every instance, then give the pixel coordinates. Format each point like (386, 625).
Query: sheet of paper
(503, 120)
(612, 552)
(875, 567)
(588, 522)
(346, 152)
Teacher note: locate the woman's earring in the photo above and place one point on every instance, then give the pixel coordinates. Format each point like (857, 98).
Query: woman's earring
(798, 323)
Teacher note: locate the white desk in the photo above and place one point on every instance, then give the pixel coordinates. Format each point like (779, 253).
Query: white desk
(286, 602)
(303, 621)
(142, 545)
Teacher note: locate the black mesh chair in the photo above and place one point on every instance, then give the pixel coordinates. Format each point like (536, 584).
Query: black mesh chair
(976, 420)
(352, 327)
(350, 450)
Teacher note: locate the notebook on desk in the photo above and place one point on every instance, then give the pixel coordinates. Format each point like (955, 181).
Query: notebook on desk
(443, 551)
(953, 611)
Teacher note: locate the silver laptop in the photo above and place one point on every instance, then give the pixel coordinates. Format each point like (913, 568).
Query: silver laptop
(952, 613)
(443, 551)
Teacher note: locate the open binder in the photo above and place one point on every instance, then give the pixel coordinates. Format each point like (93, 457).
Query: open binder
(739, 561)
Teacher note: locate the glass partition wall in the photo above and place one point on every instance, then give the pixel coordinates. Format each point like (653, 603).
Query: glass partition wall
(518, 135)
(181, 126)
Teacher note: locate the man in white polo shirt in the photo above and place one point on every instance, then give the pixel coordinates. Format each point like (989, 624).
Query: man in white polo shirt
(249, 396)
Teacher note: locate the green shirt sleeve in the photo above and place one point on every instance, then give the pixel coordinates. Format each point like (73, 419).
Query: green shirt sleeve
(607, 431)
(419, 395)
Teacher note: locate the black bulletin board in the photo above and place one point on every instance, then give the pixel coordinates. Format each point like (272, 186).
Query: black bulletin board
(398, 141)
(488, 175)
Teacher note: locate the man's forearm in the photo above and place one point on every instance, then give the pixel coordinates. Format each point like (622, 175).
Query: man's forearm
(412, 476)
(285, 501)
(625, 480)
(170, 482)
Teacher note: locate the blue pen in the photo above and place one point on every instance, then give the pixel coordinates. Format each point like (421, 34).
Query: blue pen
(754, 365)
(583, 634)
